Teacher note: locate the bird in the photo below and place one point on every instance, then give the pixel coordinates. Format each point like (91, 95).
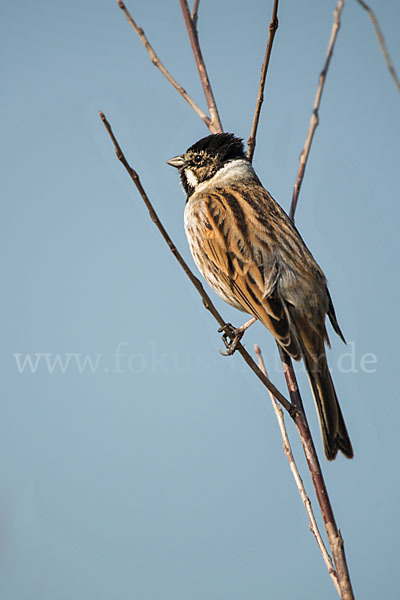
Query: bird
(252, 255)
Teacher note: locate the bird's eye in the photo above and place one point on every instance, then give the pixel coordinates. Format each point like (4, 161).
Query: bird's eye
(197, 158)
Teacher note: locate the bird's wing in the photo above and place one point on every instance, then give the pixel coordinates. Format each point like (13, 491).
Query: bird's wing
(236, 246)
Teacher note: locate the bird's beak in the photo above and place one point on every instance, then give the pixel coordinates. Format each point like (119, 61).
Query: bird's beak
(177, 162)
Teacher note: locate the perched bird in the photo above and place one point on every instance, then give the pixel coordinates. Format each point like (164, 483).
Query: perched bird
(251, 254)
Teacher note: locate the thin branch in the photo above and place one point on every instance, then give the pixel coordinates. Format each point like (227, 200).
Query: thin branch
(315, 116)
(215, 126)
(381, 41)
(157, 63)
(334, 535)
(195, 281)
(273, 26)
(298, 480)
(195, 12)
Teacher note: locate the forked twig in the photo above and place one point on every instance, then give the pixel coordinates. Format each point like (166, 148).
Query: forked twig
(381, 41)
(299, 482)
(195, 281)
(215, 126)
(157, 63)
(195, 12)
(273, 26)
(317, 101)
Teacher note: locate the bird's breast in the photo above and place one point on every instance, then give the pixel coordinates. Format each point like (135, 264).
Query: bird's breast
(199, 233)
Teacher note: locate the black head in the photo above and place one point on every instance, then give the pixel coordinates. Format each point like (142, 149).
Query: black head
(207, 156)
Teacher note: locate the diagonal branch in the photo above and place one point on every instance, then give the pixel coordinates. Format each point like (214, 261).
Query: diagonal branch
(297, 477)
(381, 41)
(334, 535)
(157, 63)
(195, 281)
(215, 126)
(273, 26)
(317, 101)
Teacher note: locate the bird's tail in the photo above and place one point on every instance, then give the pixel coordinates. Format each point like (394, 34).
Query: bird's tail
(333, 428)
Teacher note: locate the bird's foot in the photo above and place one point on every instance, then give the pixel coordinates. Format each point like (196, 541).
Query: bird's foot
(231, 337)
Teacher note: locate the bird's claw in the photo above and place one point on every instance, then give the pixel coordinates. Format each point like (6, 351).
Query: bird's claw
(231, 337)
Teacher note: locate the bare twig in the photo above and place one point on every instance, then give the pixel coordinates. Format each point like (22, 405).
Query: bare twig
(334, 535)
(195, 12)
(317, 101)
(296, 475)
(195, 281)
(157, 62)
(215, 126)
(382, 43)
(273, 26)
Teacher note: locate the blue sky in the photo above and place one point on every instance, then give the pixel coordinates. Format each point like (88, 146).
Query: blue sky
(156, 469)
